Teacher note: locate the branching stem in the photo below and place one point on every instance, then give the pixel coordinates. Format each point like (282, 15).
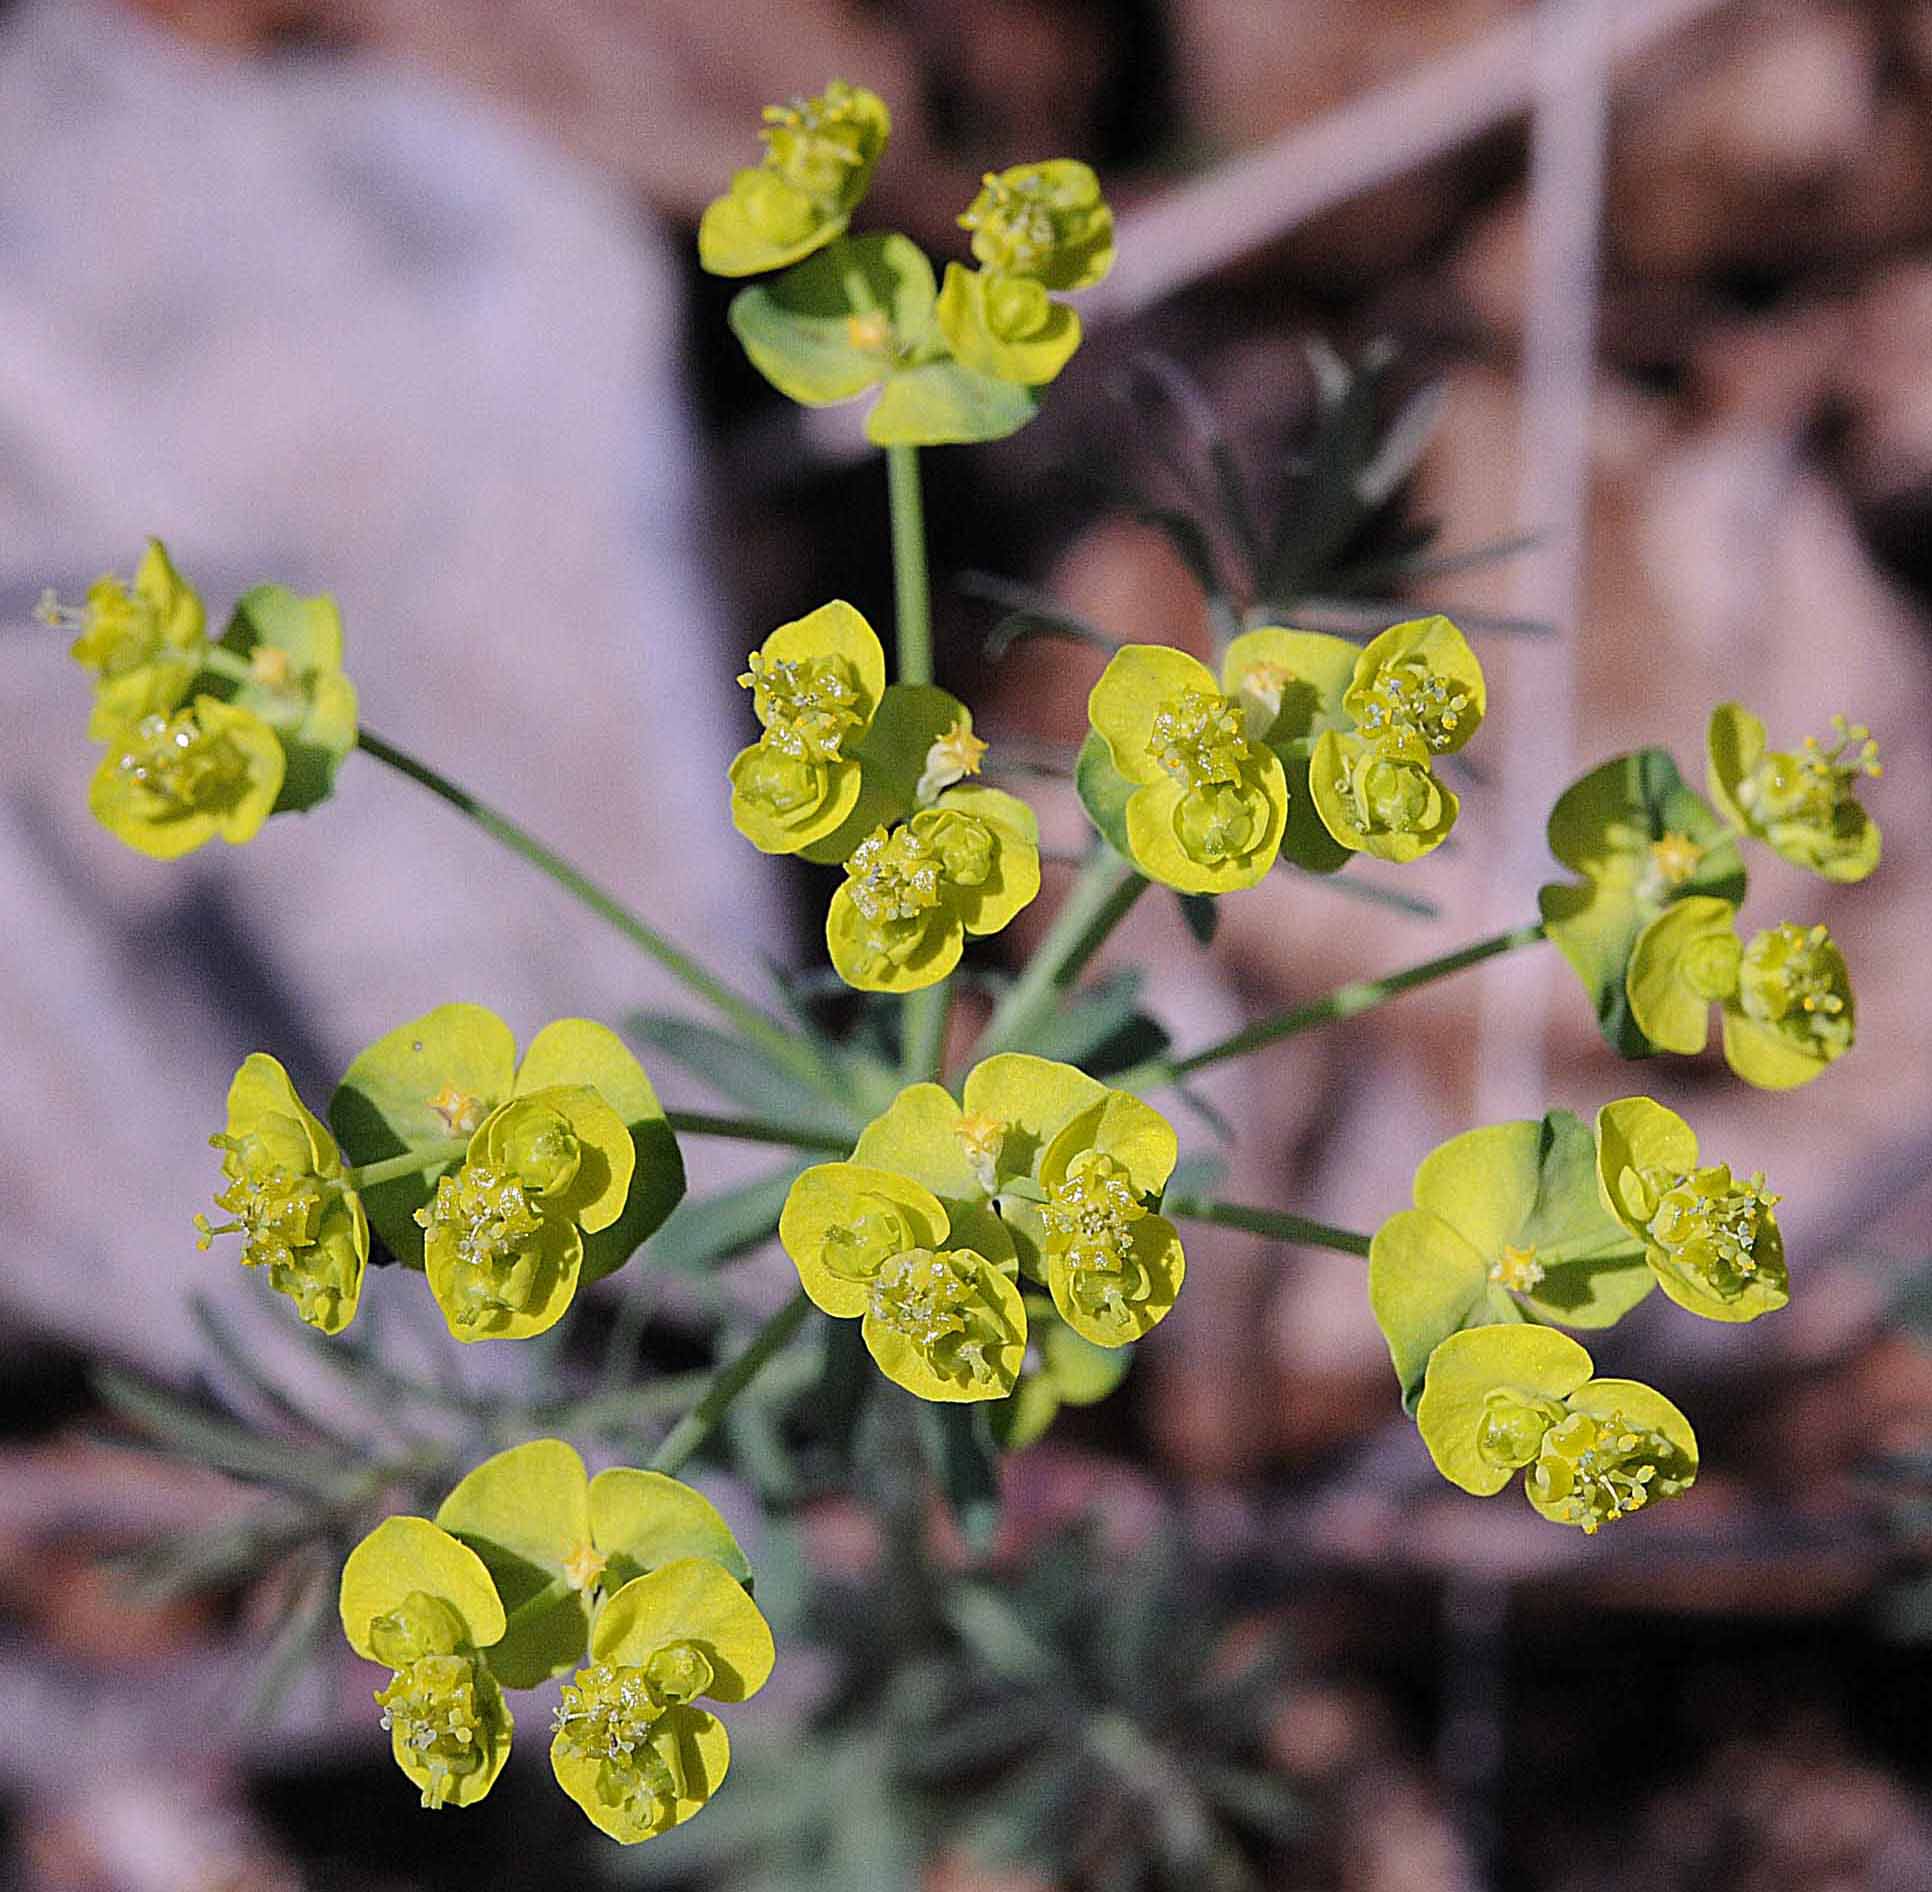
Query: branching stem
(758, 1026)
(1344, 1002)
(1276, 1222)
(730, 1380)
(1096, 903)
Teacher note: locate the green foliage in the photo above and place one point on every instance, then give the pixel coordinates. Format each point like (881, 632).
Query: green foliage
(1641, 840)
(1507, 1226)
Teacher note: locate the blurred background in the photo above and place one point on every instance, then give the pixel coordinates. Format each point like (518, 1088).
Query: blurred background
(398, 298)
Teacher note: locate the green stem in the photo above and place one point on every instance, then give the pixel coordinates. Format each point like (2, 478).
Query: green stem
(409, 1163)
(757, 1026)
(694, 1428)
(1095, 904)
(922, 1018)
(911, 592)
(1276, 1222)
(1344, 1002)
(227, 663)
(701, 1123)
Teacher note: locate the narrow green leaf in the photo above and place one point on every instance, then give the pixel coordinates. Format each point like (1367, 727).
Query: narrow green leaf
(731, 1067)
(957, 1441)
(715, 1228)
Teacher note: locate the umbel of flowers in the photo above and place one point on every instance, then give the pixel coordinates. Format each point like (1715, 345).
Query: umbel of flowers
(1005, 1240)
(1650, 928)
(874, 776)
(533, 1569)
(852, 314)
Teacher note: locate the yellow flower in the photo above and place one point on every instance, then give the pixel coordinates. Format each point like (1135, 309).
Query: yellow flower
(1209, 804)
(816, 685)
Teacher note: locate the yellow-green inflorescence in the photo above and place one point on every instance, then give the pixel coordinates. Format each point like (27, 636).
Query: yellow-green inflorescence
(1416, 694)
(938, 1308)
(1786, 996)
(558, 1542)
(206, 739)
(1503, 1399)
(630, 1745)
(284, 1189)
(818, 161)
(1040, 1172)
(1802, 803)
(503, 1237)
(966, 864)
(421, 1603)
(1209, 802)
(816, 685)
(1306, 746)
(143, 642)
(536, 1174)
(1035, 228)
(531, 1567)
(1711, 1238)
(173, 780)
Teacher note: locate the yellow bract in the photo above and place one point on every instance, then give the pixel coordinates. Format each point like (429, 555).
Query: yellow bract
(1710, 1238)
(939, 1310)
(967, 864)
(1209, 804)
(284, 1188)
(1503, 1399)
(819, 155)
(169, 783)
(816, 685)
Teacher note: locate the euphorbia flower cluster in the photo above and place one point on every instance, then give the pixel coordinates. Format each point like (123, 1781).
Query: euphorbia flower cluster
(1041, 1174)
(1651, 929)
(856, 313)
(873, 775)
(1004, 1242)
(505, 1182)
(1306, 746)
(530, 1569)
(207, 738)
(1523, 1227)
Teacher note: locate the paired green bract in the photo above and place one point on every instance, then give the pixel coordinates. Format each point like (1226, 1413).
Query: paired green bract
(530, 1567)
(1519, 1227)
(1499, 1400)
(1042, 1173)
(568, 1165)
(1786, 996)
(1650, 928)
(205, 739)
